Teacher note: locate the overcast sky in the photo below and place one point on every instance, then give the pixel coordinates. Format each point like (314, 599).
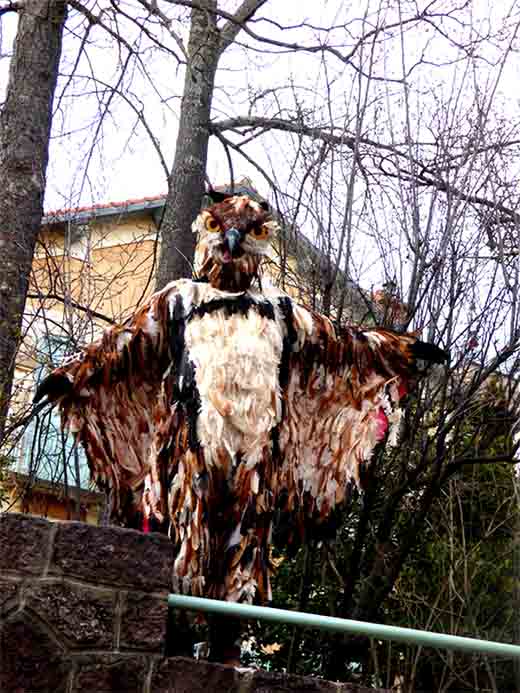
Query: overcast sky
(124, 163)
(442, 93)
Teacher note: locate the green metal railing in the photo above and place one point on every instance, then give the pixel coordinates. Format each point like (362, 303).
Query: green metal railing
(341, 625)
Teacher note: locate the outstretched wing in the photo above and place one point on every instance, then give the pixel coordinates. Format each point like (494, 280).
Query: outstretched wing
(111, 397)
(342, 398)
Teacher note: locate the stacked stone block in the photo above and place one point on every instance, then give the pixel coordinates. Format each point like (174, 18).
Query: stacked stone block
(84, 608)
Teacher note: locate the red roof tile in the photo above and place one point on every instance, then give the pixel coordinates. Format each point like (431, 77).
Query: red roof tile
(103, 205)
(58, 214)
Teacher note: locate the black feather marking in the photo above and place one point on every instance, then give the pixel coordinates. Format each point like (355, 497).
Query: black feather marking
(276, 453)
(234, 305)
(96, 379)
(247, 556)
(184, 390)
(428, 352)
(54, 386)
(248, 520)
(285, 305)
(125, 365)
(176, 328)
(134, 352)
(186, 393)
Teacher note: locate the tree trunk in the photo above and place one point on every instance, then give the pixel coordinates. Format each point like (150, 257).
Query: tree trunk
(25, 123)
(187, 177)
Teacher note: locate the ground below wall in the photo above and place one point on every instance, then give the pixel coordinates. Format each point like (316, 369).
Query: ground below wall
(83, 608)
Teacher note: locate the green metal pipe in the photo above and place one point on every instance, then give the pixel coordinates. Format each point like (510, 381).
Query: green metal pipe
(341, 625)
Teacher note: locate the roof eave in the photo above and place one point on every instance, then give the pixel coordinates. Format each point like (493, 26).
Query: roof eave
(82, 216)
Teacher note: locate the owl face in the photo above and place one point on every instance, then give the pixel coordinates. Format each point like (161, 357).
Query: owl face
(235, 235)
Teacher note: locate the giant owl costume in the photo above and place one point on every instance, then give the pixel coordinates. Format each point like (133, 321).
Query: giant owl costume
(217, 407)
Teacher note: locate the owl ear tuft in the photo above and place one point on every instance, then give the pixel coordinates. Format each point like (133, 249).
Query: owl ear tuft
(428, 352)
(214, 196)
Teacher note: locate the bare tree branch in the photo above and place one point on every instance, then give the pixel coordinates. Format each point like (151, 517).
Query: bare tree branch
(73, 304)
(236, 23)
(424, 177)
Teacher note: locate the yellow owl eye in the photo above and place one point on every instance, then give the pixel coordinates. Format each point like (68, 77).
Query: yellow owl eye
(260, 233)
(212, 225)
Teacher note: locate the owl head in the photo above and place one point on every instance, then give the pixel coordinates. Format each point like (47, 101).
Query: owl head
(234, 236)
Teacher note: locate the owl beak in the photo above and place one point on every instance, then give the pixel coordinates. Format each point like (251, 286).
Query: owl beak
(233, 238)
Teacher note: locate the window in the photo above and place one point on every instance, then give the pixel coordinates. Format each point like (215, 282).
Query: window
(48, 453)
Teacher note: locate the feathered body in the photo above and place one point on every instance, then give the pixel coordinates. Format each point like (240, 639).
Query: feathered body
(216, 407)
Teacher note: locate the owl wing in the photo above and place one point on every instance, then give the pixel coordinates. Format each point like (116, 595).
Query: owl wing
(343, 392)
(112, 398)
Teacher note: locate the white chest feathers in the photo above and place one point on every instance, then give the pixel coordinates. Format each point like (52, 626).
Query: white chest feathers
(236, 361)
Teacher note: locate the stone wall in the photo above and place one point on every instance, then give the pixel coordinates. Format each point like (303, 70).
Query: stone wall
(84, 608)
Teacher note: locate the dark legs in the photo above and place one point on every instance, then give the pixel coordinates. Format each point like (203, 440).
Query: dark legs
(224, 635)
(179, 635)
(224, 639)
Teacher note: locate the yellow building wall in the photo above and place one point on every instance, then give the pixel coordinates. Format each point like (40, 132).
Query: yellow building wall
(106, 269)
(53, 506)
(80, 281)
